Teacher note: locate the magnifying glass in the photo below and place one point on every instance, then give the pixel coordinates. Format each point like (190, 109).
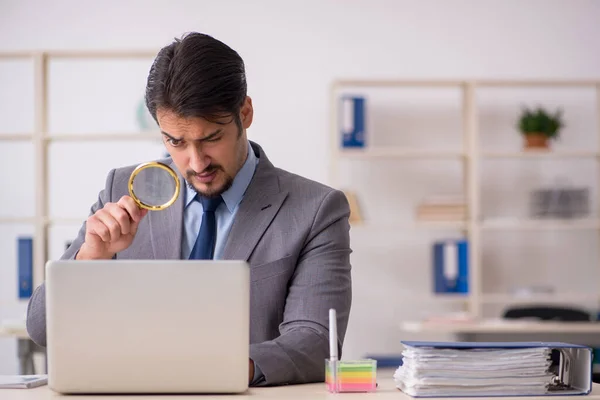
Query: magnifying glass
(154, 186)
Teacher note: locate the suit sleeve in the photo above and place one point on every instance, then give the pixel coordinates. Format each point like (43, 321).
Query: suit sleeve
(322, 280)
(36, 308)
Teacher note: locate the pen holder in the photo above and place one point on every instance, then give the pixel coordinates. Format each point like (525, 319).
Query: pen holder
(351, 376)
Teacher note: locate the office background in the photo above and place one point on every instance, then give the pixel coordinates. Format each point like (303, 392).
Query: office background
(293, 52)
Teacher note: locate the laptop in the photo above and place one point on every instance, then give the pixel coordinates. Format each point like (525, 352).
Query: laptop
(151, 326)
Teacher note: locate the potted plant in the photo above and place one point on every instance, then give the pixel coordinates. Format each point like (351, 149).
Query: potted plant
(539, 126)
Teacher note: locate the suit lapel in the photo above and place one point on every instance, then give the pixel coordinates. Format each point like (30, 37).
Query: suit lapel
(166, 227)
(261, 202)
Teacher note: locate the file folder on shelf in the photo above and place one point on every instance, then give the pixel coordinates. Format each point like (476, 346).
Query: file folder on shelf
(353, 127)
(466, 369)
(25, 267)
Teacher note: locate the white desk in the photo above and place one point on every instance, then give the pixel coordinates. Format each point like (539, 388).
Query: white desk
(386, 390)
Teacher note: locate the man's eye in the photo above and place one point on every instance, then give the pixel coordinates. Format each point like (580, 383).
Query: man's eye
(214, 139)
(174, 142)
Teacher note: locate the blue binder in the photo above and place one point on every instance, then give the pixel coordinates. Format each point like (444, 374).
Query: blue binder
(574, 362)
(353, 121)
(25, 267)
(451, 266)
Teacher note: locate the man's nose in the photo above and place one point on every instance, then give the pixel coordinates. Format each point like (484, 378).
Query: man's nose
(199, 160)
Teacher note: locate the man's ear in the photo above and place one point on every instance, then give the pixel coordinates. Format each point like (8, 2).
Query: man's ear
(247, 113)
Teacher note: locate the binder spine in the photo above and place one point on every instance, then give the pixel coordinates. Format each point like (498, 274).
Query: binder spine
(25, 267)
(353, 121)
(451, 266)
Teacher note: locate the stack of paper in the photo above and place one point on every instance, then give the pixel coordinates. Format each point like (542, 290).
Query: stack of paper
(22, 381)
(437, 371)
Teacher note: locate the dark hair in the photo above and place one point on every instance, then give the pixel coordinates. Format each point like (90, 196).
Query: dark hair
(197, 76)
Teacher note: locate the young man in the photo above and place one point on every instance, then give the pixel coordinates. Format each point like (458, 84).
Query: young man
(293, 232)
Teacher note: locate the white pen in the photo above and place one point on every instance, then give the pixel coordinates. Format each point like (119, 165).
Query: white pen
(333, 348)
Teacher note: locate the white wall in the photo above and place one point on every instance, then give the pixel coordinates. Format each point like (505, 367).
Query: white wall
(292, 52)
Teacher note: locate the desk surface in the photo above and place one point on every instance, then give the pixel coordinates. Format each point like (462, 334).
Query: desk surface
(386, 390)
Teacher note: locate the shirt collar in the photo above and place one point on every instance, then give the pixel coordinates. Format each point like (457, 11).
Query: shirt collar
(233, 196)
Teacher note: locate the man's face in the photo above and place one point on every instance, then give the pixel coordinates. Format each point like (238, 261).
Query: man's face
(207, 154)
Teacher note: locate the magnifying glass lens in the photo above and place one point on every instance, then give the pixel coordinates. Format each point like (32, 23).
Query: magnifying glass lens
(154, 186)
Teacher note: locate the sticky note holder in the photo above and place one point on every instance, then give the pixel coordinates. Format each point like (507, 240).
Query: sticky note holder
(351, 376)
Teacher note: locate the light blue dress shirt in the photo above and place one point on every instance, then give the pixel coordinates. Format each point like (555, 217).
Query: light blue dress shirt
(224, 215)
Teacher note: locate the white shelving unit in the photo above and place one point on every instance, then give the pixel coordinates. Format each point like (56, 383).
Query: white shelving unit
(41, 138)
(471, 155)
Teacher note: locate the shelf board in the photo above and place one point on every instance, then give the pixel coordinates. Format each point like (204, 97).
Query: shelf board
(501, 326)
(560, 298)
(91, 137)
(17, 220)
(15, 54)
(441, 224)
(65, 221)
(118, 54)
(449, 298)
(533, 224)
(16, 137)
(536, 83)
(398, 152)
(459, 83)
(82, 54)
(401, 226)
(540, 154)
(373, 83)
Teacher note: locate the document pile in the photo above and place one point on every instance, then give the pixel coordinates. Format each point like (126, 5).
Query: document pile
(483, 369)
(22, 381)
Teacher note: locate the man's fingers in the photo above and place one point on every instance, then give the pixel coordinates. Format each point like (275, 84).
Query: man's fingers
(116, 219)
(111, 223)
(134, 211)
(134, 225)
(97, 227)
(121, 216)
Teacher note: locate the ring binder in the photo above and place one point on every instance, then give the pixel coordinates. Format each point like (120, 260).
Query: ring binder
(562, 379)
(464, 369)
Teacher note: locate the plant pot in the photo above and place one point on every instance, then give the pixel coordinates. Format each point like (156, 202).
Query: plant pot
(536, 141)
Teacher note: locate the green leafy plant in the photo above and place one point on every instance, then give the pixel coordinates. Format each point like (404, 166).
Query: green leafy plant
(540, 122)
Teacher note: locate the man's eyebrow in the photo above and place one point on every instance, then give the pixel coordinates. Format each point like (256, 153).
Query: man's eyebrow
(169, 136)
(207, 137)
(210, 136)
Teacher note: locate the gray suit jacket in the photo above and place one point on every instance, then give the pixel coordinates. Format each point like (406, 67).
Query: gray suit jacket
(293, 232)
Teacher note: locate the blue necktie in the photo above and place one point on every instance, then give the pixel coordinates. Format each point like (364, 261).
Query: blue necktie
(205, 242)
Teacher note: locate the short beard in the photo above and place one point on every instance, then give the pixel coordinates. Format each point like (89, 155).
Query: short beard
(210, 193)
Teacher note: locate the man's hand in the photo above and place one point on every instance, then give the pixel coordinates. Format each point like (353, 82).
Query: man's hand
(111, 229)
(251, 371)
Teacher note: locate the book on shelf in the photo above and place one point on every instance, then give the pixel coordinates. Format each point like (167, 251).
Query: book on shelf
(467, 369)
(442, 208)
(355, 212)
